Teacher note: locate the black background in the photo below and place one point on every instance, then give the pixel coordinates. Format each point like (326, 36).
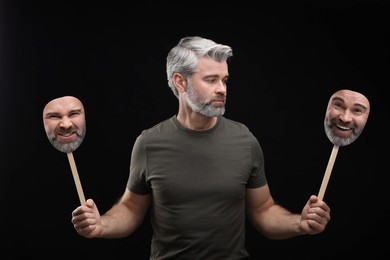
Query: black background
(288, 60)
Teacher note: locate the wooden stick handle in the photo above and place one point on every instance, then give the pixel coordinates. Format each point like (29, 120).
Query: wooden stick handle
(76, 178)
(328, 171)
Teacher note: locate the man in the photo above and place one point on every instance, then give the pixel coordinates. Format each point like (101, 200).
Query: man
(199, 172)
(346, 116)
(64, 122)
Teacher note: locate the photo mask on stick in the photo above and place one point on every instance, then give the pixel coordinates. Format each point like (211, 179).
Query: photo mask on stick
(65, 127)
(345, 118)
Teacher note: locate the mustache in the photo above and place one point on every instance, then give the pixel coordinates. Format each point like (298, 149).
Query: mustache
(62, 131)
(219, 97)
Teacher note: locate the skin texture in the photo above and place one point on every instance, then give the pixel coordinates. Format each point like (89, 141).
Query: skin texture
(202, 97)
(346, 116)
(64, 123)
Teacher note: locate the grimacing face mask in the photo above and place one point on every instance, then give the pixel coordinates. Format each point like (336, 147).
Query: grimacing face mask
(63, 134)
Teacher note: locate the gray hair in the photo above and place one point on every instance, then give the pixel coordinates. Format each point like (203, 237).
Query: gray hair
(183, 58)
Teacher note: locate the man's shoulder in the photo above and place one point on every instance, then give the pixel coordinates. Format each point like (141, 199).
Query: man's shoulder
(235, 124)
(159, 127)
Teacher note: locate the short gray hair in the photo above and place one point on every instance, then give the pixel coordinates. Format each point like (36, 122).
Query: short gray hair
(183, 58)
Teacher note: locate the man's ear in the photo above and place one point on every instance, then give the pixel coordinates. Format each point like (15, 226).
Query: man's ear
(180, 82)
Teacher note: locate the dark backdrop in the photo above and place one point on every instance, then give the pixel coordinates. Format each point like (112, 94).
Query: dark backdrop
(288, 60)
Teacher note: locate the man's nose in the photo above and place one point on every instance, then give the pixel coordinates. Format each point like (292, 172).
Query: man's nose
(346, 116)
(66, 122)
(221, 88)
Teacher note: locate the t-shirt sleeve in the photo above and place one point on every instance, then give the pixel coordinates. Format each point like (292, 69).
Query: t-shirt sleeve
(257, 177)
(137, 181)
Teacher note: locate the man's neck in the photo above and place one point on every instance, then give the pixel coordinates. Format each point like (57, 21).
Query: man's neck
(196, 121)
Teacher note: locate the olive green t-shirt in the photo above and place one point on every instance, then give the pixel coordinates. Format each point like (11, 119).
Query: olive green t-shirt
(197, 180)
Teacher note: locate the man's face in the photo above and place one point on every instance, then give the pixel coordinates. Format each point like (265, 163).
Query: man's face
(206, 89)
(64, 122)
(346, 116)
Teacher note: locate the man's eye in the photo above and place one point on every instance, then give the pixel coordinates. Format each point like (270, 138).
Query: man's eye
(74, 114)
(358, 111)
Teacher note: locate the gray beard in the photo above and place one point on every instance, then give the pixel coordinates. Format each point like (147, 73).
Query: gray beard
(203, 107)
(336, 140)
(67, 148)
